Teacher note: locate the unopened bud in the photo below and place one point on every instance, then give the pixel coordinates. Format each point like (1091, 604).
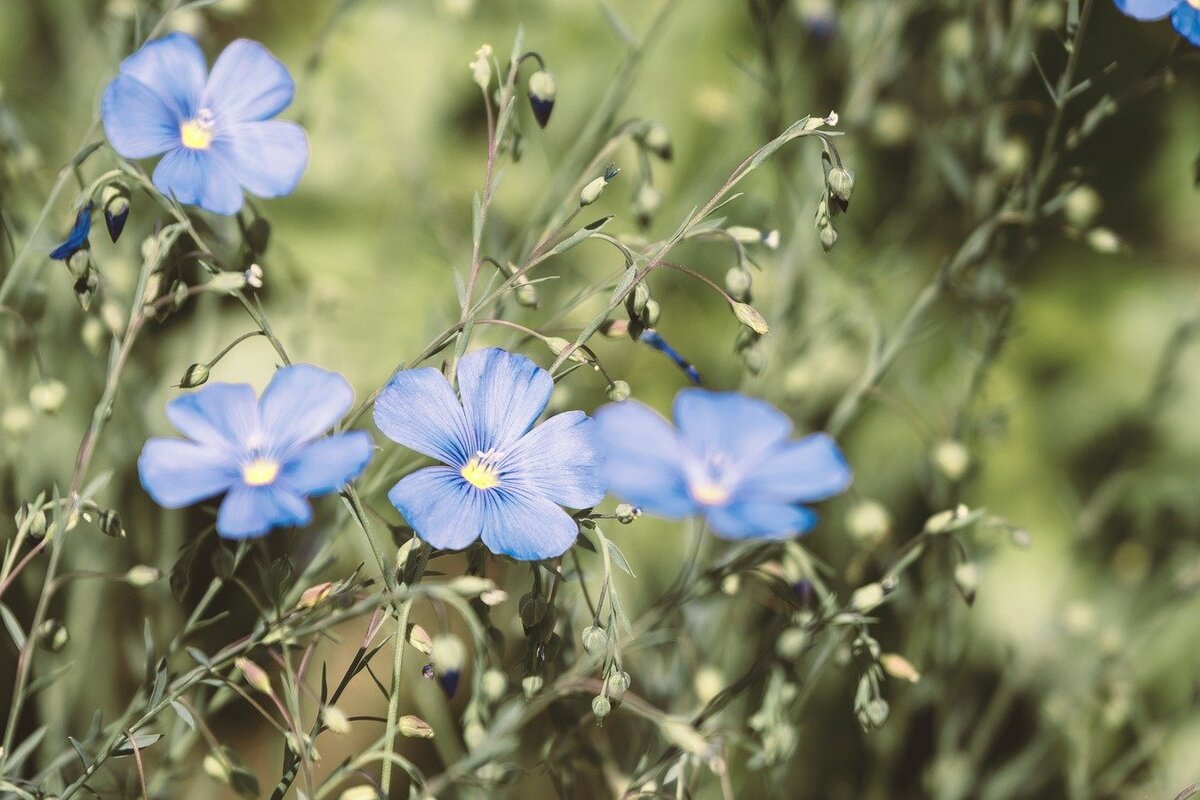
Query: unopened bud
(966, 578)
(899, 667)
(226, 282)
(601, 707)
(315, 595)
(617, 684)
(335, 720)
(217, 768)
(52, 635)
(595, 640)
(414, 727)
(1103, 240)
(494, 685)
(481, 67)
(749, 316)
(829, 238)
(542, 91)
(618, 391)
(141, 576)
(115, 199)
(48, 395)
(877, 712)
(868, 522)
(738, 282)
(1081, 206)
(952, 459)
(791, 643)
(255, 676)
(657, 140)
(651, 313)
(195, 375)
(646, 204)
(866, 598)
(532, 684)
(626, 513)
(592, 191)
(16, 420)
(840, 182)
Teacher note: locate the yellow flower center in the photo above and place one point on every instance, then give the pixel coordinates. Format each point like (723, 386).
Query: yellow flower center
(710, 494)
(196, 135)
(481, 471)
(1194, 4)
(260, 472)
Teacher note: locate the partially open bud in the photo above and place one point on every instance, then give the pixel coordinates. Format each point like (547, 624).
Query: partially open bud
(542, 91)
(196, 375)
(115, 199)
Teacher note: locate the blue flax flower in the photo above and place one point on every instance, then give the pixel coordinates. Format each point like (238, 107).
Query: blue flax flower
(265, 455)
(503, 480)
(730, 458)
(1184, 14)
(215, 129)
(77, 239)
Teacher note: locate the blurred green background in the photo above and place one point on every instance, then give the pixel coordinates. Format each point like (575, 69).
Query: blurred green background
(1088, 634)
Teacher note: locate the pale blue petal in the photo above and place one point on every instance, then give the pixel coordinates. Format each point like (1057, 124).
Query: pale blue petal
(644, 460)
(174, 68)
(249, 511)
(419, 410)
(525, 526)
(137, 122)
(730, 424)
(302, 402)
(1186, 20)
(327, 465)
(1148, 9)
(221, 415)
(441, 507)
(503, 394)
(267, 157)
(760, 520)
(247, 84)
(561, 459)
(802, 471)
(199, 177)
(178, 473)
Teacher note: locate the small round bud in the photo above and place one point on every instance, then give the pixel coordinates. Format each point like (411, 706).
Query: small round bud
(626, 513)
(52, 635)
(48, 395)
(646, 203)
(791, 643)
(829, 238)
(1103, 240)
(737, 283)
(526, 293)
(494, 684)
(335, 720)
(840, 182)
(595, 640)
(618, 391)
(657, 140)
(195, 375)
(877, 712)
(731, 584)
(16, 420)
(1081, 206)
(601, 707)
(141, 576)
(707, 683)
(952, 459)
(617, 684)
(966, 578)
(868, 522)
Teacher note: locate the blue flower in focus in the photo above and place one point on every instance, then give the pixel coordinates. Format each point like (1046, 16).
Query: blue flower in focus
(730, 458)
(267, 455)
(1184, 14)
(77, 239)
(215, 129)
(503, 480)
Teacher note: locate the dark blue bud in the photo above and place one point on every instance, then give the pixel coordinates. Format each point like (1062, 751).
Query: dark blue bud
(77, 239)
(652, 338)
(116, 209)
(542, 91)
(115, 222)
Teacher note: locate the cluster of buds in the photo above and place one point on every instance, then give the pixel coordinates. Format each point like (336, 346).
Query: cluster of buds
(839, 184)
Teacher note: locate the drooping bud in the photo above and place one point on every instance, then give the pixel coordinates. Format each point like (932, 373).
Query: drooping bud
(738, 282)
(447, 654)
(657, 140)
(749, 316)
(595, 640)
(196, 375)
(617, 684)
(619, 390)
(494, 685)
(829, 238)
(646, 204)
(542, 91)
(601, 707)
(115, 199)
(966, 579)
(952, 459)
(841, 183)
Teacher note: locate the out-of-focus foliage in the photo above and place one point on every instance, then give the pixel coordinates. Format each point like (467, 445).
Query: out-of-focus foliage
(1000, 339)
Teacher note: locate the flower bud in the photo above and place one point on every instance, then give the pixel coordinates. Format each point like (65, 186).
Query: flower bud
(618, 391)
(532, 684)
(255, 676)
(868, 522)
(707, 683)
(966, 579)
(899, 667)
(592, 191)
(414, 727)
(749, 316)
(196, 375)
(226, 282)
(481, 67)
(617, 684)
(601, 707)
(737, 283)
(217, 768)
(47, 395)
(447, 654)
(525, 293)
(1103, 240)
(115, 199)
(16, 420)
(52, 635)
(494, 685)
(419, 638)
(254, 276)
(542, 91)
(657, 140)
(363, 792)
(335, 720)
(651, 313)
(595, 640)
(141, 576)
(470, 585)
(866, 598)
(877, 712)
(791, 643)
(315, 595)
(626, 513)
(952, 459)
(829, 238)
(840, 182)
(110, 524)
(646, 204)
(1081, 206)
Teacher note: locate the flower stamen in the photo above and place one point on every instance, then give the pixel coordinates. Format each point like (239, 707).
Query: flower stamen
(708, 493)
(197, 133)
(260, 472)
(481, 471)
